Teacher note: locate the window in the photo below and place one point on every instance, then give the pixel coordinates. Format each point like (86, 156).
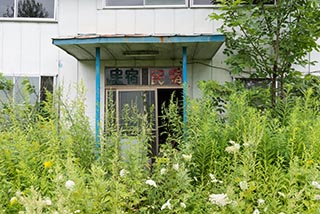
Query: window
(216, 2)
(46, 85)
(27, 8)
(124, 3)
(202, 2)
(255, 82)
(27, 89)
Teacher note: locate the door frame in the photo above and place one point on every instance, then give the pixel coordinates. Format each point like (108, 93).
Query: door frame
(154, 88)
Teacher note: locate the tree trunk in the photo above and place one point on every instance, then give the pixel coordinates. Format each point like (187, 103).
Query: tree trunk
(282, 95)
(274, 89)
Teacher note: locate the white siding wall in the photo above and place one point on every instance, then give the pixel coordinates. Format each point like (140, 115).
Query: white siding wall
(26, 49)
(149, 21)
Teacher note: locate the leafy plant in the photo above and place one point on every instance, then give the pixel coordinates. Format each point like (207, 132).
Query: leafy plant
(270, 39)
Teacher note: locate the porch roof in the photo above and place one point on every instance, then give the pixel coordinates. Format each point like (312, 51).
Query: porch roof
(140, 46)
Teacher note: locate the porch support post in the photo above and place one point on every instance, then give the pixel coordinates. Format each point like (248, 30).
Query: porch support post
(97, 97)
(184, 83)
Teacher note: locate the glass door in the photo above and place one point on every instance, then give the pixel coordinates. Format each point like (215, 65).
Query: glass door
(130, 106)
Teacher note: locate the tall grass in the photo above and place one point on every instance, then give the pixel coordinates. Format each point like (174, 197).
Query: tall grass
(237, 158)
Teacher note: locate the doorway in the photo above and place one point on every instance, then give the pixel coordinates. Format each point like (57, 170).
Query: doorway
(164, 97)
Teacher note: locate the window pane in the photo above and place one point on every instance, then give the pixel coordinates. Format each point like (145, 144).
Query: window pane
(124, 2)
(36, 8)
(46, 86)
(6, 95)
(165, 2)
(6, 8)
(22, 93)
(202, 2)
(142, 101)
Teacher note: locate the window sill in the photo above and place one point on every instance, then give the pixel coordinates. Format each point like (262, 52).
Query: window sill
(144, 7)
(212, 6)
(29, 20)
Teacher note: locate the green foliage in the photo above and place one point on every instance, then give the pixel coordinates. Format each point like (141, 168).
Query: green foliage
(239, 160)
(269, 38)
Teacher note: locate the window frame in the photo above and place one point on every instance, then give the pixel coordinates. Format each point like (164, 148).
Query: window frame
(15, 18)
(185, 5)
(192, 5)
(13, 78)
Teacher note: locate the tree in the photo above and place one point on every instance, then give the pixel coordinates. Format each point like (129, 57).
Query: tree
(28, 8)
(269, 38)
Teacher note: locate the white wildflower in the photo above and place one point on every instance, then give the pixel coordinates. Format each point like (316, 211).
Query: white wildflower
(243, 185)
(151, 183)
(282, 194)
(123, 172)
(315, 184)
(282, 213)
(163, 171)
(60, 177)
(256, 211)
(20, 212)
(187, 157)
(261, 201)
(234, 148)
(246, 144)
(48, 202)
(77, 211)
(219, 199)
(183, 205)
(70, 184)
(234, 203)
(166, 205)
(214, 179)
(175, 166)
(316, 197)
(19, 193)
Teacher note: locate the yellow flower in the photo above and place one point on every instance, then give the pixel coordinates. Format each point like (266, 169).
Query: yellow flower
(47, 164)
(13, 201)
(310, 162)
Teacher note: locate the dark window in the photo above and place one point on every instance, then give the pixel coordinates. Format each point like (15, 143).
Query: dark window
(46, 86)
